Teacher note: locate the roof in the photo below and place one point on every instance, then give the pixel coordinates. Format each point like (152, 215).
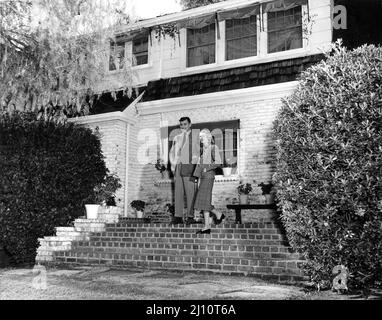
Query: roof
(185, 14)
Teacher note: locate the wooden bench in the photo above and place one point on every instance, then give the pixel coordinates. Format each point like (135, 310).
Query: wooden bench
(239, 207)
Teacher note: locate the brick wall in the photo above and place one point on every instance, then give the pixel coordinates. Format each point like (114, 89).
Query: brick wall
(113, 143)
(256, 152)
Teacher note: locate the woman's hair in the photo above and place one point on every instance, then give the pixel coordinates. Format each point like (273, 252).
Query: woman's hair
(206, 133)
(210, 137)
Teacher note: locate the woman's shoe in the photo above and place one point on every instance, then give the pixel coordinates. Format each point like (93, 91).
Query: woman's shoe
(206, 231)
(219, 221)
(214, 218)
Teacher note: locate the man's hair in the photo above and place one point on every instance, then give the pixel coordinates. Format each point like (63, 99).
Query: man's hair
(184, 119)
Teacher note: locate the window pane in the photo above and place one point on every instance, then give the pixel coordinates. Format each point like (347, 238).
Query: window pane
(201, 46)
(117, 56)
(140, 51)
(241, 38)
(285, 30)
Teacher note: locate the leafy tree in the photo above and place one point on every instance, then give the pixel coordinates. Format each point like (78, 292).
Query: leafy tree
(53, 53)
(329, 166)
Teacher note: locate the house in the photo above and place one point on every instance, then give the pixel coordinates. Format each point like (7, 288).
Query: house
(226, 66)
(227, 69)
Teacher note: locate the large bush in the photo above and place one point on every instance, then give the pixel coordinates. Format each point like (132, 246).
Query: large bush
(47, 170)
(329, 165)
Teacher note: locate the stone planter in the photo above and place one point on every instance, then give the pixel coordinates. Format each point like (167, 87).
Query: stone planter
(244, 199)
(92, 211)
(269, 198)
(139, 214)
(227, 171)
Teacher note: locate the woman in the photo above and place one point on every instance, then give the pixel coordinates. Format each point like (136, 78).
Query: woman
(205, 170)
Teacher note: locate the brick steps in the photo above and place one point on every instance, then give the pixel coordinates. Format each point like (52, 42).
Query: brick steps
(254, 249)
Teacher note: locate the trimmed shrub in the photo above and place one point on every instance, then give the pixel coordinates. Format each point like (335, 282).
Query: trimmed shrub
(329, 166)
(47, 170)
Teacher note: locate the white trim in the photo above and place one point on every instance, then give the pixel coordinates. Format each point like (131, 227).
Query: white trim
(127, 150)
(259, 93)
(109, 116)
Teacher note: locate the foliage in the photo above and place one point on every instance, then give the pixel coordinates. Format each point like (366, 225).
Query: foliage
(244, 188)
(189, 4)
(104, 192)
(53, 54)
(329, 165)
(228, 163)
(138, 205)
(170, 208)
(160, 166)
(266, 188)
(47, 170)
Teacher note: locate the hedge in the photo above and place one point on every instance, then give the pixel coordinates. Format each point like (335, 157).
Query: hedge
(329, 166)
(47, 170)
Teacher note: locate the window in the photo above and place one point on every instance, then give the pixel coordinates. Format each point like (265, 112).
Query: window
(117, 56)
(285, 30)
(241, 38)
(201, 46)
(140, 51)
(225, 135)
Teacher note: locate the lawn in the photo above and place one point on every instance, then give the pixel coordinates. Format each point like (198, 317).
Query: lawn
(137, 284)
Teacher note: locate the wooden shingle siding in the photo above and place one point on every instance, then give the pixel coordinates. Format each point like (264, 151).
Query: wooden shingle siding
(235, 78)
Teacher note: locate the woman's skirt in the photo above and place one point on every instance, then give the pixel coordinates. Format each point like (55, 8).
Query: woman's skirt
(204, 195)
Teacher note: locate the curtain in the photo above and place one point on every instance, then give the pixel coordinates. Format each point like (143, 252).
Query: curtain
(284, 40)
(239, 13)
(281, 5)
(133, 35)
(198, 22)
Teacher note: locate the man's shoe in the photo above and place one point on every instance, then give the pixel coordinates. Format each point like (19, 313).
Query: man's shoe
(206, 231)
(177, 220)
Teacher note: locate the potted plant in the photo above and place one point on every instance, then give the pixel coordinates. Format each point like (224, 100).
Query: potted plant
(227, 168)
(160, 166)
(103, 194)
(266, 189)
(244, 190)
(139, 207)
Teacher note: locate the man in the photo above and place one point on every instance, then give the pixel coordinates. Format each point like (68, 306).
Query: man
(183, 157)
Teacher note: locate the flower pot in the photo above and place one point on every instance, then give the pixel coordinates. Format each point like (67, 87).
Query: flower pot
(92, 211)
(165, 175)
(227, 171)
(139, 214)
(244, 199)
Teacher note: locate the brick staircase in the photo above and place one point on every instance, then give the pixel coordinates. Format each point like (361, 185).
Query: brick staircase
(253, 249)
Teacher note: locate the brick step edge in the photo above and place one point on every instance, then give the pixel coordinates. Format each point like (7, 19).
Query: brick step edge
(278, 278)
(250, 225)
(165, 255)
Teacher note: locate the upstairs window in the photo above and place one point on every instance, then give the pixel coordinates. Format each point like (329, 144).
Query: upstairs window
(285, 30)
(140, 51)
(201, 46)
(117, 56)
(241, 38)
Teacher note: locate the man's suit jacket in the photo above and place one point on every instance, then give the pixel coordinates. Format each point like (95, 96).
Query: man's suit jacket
(188, 155)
